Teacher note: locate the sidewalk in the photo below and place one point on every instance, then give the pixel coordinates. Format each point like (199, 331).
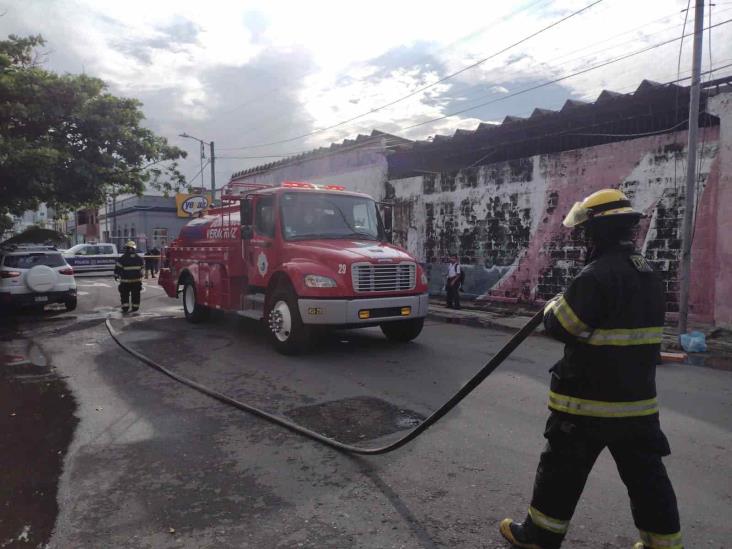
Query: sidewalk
(510, 318)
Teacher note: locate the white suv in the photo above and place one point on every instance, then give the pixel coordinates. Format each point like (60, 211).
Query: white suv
(35, 276)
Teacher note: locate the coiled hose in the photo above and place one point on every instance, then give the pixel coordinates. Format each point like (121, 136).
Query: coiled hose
(466, 389)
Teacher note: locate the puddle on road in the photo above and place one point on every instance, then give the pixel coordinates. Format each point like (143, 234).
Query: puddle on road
(37, 422)
(355, 419)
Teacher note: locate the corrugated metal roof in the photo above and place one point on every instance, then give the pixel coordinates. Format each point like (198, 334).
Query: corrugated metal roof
(613, 116)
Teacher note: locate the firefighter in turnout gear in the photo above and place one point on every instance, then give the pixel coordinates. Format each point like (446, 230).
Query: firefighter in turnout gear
(603, 391)
(128, 271)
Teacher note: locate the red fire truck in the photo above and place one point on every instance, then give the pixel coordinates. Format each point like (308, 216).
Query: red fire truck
(299, 257)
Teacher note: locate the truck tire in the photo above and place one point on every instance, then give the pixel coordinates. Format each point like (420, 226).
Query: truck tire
(70, 303)
(288, 334)
(194, 311)
(402, 330)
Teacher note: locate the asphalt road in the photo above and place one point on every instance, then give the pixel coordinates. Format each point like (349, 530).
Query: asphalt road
(155, 464)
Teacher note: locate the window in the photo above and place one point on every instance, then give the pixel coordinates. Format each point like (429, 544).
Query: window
(108, 250)
(264, 216)
(28, 261)
(160, 236)
(328, 215)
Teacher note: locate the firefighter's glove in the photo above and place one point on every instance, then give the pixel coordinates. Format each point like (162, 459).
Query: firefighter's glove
(551, 302)
(116, 278)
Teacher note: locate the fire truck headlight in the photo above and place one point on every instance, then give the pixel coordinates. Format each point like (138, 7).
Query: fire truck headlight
(317, 281)
(423, 278)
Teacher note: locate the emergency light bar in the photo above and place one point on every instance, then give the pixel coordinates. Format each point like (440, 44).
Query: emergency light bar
(305, 185)
(236, 190)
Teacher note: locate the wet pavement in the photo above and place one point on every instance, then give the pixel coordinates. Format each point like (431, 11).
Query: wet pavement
(37, 422)
(148, 463)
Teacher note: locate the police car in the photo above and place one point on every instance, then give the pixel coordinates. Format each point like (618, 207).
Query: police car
(92, 258)
(34, 276)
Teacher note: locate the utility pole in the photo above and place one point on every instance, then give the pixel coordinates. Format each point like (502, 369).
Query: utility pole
(689, 202)
(213, 174)
(213, 162)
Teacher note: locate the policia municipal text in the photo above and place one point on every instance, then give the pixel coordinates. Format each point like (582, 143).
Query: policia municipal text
(128, 271)
(603, 391)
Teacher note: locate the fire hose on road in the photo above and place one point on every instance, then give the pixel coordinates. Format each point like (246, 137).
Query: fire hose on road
(476, 380)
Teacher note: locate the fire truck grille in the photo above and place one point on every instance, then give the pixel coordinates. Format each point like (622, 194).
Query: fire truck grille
(384, 278)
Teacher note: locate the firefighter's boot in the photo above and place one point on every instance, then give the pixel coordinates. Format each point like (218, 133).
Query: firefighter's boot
(527, 536)
(125, 308)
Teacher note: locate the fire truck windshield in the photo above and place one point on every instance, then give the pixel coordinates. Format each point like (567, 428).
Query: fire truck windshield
(311, 215)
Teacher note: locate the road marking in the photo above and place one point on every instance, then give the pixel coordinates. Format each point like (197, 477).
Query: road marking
(94, 285)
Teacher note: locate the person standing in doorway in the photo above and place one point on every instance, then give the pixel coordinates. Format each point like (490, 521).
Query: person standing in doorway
(128, 271)
(603, 391)
(452, 285)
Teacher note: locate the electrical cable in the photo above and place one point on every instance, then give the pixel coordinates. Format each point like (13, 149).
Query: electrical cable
(585, 51)
(269, 92)
(423, 88)
(502, 354)
(372, 140)
(199, 172)
(554, 81)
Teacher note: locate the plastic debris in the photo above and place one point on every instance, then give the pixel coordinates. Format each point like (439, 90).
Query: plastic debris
(693, 342)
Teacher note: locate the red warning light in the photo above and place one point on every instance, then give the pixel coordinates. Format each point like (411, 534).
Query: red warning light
(298, 185)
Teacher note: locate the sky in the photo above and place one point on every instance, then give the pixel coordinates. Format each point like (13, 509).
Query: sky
(249, 73)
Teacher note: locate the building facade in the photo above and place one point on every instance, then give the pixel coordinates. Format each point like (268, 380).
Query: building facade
(503, 214)
(357, 164)
(149, 221)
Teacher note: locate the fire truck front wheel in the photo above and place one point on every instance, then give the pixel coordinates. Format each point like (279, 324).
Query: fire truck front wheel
(195, 312)
(402, 330)
(287, 332)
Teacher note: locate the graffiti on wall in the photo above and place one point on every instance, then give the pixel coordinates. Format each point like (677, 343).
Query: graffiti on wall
(504, 219)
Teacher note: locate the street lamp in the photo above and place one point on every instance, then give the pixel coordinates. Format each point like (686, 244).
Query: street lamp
(213, 161)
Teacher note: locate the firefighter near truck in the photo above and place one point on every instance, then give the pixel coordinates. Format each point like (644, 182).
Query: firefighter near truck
(299, 257)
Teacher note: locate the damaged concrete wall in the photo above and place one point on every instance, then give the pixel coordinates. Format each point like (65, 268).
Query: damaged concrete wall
(504, 219)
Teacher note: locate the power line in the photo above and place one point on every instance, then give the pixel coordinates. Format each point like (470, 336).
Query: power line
(374, 139)
(199, 172)
(270, 91)
(555, 80)
(585, 48)
(424, 88)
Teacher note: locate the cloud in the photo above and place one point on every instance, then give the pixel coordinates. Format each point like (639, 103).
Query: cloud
(273, 70)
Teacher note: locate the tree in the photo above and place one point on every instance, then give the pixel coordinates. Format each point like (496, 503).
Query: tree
(65, 140)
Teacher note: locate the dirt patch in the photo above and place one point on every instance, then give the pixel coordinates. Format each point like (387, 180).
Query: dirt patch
(355, 419)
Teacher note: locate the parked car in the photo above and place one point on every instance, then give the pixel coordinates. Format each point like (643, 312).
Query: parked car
(34, 276)
(92, 258)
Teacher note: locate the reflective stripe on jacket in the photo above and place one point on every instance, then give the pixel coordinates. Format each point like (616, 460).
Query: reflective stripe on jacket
(129, 267)
(611, 320)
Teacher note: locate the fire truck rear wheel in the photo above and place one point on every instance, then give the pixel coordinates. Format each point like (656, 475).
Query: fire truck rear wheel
(402, 330)
(195, 312)
(287, 332)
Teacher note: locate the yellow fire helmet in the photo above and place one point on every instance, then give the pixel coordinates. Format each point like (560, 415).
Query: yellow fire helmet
(131, 244)
(603, 203)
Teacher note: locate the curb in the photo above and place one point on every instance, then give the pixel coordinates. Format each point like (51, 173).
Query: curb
(474, 322)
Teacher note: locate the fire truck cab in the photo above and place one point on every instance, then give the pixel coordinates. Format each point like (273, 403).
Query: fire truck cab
(299, 257)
